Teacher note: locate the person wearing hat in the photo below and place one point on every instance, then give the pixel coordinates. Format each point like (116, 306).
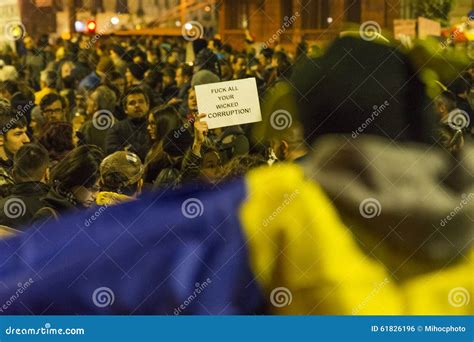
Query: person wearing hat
(91, 81)
(120, 178)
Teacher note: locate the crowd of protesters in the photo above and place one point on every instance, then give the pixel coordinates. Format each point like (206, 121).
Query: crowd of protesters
(97, 124)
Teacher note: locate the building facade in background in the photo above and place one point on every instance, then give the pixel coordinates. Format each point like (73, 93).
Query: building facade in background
(317, 20)
(293, 20)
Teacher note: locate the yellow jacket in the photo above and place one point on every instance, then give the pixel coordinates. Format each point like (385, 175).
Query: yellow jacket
(297, 241)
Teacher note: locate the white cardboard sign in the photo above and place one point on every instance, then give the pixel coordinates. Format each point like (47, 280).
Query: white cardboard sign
(229, 103)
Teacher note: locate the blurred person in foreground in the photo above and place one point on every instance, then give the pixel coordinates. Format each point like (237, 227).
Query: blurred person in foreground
(367, 215)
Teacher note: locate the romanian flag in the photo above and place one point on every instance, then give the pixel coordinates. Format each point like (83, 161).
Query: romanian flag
(270, 243)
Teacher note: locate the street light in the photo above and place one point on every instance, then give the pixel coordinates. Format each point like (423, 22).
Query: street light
(114, 20)
(91, 26)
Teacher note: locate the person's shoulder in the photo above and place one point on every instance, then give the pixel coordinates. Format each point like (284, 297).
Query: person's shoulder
(283, 174)
(284, 183)
(119, 125)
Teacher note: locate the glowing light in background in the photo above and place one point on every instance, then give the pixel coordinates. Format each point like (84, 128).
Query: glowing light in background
(79, 26)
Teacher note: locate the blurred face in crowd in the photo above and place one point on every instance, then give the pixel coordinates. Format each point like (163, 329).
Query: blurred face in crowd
(179, 77)
(14, 139)
(151, 127)
(86, 196)
(173, 57)
(29, 44)
(280, 148)
(36, 128)
(60, 53)
(5, 94)
(151, 57)
(167, 80)
(77, 123)
(211, 46)
(192, 101)
(113, 55)
(54, 112)
(84, 43)
(441, 108)
(129, 77)
(136, 106)
(92, 105)
(275, 62)
(137, 59)
(239, 64)
(66, 70)
(211, 167)
(119, 83)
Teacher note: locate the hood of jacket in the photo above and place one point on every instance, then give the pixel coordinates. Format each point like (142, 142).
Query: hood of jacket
(407, 204)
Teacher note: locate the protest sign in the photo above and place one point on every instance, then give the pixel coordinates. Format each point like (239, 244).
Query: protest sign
(229, 103)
